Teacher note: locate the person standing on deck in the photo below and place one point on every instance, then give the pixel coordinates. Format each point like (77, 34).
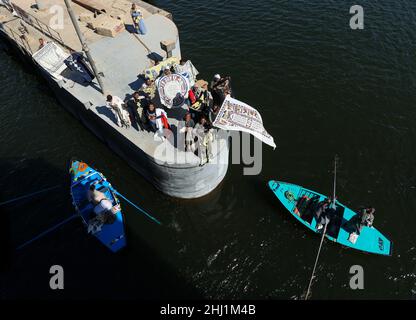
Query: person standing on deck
(167, 71)
(213, 112)
(42, 43)
(203, 131)
(188, 130)
(149, 89)
(137, 17)
(158, 119)
(122, 116)
(195, 98)
(220, 88)
(135, 110)
(180, 68)
(151, 117)
(208, 100)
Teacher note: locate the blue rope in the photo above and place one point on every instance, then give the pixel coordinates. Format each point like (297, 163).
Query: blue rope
(46, 232)
(137, 207)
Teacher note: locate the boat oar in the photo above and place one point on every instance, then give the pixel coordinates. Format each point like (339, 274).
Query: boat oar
(28, 195)
(137, 207)
(316, 263)
(44, 233)
(324, 232)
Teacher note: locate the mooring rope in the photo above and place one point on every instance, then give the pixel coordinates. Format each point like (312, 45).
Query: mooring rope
(138, 208)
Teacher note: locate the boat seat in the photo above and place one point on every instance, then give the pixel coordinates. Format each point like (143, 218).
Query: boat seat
(310, 209)
(83, 203)
(103, 189)
(86, 205)
(336, 221)
(306, 206)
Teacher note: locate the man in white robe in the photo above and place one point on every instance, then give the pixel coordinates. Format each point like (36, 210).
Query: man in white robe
(122, 115)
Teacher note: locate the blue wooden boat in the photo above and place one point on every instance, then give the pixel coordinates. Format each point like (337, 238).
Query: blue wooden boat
(110, 233)
(300, 203)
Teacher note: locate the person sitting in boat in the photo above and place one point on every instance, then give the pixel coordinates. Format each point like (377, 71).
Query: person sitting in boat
(365, 218)
(135, 108)
(103, 209)
(117, 106)
(94, 196)
(322, 213)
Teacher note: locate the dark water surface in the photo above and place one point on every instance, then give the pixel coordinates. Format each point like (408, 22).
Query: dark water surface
(322, 89)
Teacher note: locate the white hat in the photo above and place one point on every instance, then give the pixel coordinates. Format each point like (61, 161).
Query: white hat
(217, 77)
(166, 68)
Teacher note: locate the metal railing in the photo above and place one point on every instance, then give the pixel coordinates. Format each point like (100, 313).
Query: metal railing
(18, 38)
(36, 23)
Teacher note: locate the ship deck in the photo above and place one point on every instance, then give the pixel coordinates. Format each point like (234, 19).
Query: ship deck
(121, 59)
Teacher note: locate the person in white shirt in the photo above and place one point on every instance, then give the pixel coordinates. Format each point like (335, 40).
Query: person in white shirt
(158, 120)
(94, 196)
(117, 106)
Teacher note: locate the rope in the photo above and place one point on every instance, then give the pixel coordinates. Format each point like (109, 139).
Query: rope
(138, 208)
(142, 43)
(28, 195)
(316, 262)
(335, 181)
(324, 232)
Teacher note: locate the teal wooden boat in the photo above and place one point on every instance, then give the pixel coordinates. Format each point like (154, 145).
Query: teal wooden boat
(300, 202)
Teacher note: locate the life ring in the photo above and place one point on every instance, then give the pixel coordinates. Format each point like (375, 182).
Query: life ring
(82, 167)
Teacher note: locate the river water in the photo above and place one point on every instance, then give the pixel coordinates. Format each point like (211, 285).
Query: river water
(322, 88)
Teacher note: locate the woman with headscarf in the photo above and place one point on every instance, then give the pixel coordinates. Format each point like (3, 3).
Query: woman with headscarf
(137, 17)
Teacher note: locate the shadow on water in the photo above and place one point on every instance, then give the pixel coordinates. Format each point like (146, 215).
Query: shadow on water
(90, 270)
